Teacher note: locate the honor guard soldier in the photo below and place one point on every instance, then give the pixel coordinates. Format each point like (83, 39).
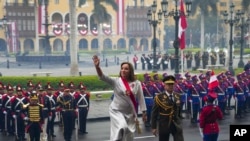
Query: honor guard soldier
(195, 99)
(222, 57)
(188, 82)
(158, 83)
(59, 93)
(239, 97)
(247, 81)
(164, 75)
(1, 108)
(208, 119)
(220, 90)
(52, 113)
(19, 116)
(82, 103)
(30, 88)
(180, 88)
(68, 106)
(189, 58)
(143, 61)
(205, 58)
(46, 109)
(149, 99)
(9, 122)
(72, 92)
(72, 89)
(197, 58)
(204, 86)
(230, 90)
(35, 117)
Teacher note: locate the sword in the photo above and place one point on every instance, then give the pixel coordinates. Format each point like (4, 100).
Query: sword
(77, 125)
(201, 133)
(16, 129)
(44, 134)
(191, 104)
(5, 124)
(236, 105)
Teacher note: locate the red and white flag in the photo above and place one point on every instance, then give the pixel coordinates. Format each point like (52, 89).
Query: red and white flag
(182, 26)
(120, 17)
(41, 19)
(213, 82)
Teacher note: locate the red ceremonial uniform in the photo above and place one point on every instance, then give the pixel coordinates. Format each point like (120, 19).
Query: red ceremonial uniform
(208, 119)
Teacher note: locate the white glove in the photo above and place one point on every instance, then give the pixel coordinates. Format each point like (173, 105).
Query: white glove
(14, 116)
(26, 118)
(4, 112)
(50, 117)
(190, 100)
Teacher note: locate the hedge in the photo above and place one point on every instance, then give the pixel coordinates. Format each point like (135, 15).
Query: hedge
(92, 82)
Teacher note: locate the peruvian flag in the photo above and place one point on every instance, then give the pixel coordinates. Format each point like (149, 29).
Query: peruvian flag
(182, 26)
(120, 17)
(213, 82)
(41, 18)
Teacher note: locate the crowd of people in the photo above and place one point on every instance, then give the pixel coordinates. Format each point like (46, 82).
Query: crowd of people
(33, 110)
(163, 103)
(168, 61)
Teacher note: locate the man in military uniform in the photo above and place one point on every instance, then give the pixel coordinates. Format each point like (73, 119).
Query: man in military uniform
(143, 61)
(194, 100)
(1, 108)
(30, 88)
(10, 125)
(205, 58)
(52, 113)
(158, 84)
(19, 116)
(220, 90)
(222, 57)
(240, 97)
(35, 117)
(67, 103)
(59, 93)
(181, 88)
(197, 58)
(230, 89)
(46, 108)
(213, 57)
(149, 93)
(189, 58)
(204, 88)
(82, 103)
(165, 113)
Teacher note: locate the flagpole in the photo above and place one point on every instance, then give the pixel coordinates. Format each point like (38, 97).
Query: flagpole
(182, 63)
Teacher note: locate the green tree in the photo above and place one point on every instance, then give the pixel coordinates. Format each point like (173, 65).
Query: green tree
(204, 7)
(245, 4)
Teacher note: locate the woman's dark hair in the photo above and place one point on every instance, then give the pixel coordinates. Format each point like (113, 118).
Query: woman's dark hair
(131, 76)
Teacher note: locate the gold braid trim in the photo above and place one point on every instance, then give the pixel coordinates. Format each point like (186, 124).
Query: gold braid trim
(165, 107)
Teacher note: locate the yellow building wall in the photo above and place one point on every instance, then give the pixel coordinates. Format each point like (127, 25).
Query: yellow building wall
(63, 8)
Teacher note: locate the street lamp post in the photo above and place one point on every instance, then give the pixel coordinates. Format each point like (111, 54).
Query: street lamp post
(176, 14)
(231, 21)
(159, 33)
(47, 48)
(153, 21)
(242, 26)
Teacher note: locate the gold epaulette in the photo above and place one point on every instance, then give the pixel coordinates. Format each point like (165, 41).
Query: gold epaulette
(161, 104)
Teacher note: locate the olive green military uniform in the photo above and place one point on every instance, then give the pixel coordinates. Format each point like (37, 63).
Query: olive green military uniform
(165, 117)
